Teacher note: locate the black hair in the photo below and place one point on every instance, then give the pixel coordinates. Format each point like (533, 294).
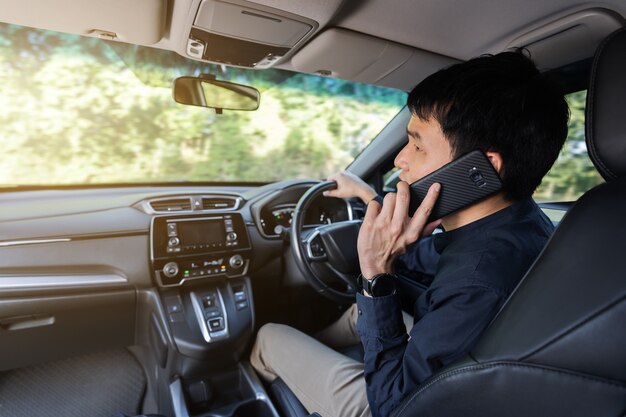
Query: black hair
(499, 103)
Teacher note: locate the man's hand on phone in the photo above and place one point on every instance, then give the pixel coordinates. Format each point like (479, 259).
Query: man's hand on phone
(387, 231)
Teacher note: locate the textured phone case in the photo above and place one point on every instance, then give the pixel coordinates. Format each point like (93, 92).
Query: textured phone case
(464, 181)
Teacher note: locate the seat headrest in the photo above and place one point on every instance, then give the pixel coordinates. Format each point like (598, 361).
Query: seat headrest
(606, 107)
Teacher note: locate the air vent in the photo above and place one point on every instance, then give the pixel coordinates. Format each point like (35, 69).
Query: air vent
(218, 203)
(170, 205)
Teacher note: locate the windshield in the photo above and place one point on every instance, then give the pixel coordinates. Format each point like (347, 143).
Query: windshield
(78, 110)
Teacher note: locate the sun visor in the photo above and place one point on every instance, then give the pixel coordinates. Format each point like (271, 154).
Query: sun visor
(245, 34)
(341, 53)
(569, 39)
(137, 21)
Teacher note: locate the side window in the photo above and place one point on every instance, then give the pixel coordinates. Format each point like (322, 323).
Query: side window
(573, 172)
(390, 180)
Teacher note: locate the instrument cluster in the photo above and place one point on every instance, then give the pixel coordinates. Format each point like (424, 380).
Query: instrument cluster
(276, 217)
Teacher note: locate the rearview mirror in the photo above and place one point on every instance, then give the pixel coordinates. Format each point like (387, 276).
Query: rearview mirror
(205, 91)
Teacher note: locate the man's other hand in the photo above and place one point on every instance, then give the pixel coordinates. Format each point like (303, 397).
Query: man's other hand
(349, 185)
(387, 231)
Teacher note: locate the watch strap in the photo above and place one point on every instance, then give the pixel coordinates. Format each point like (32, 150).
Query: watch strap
(369, 285)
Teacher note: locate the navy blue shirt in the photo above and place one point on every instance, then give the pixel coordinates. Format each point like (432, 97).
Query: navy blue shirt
(479, 265)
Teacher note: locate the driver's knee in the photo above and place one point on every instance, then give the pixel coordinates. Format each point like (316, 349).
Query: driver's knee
(268, 342)
(257, 356)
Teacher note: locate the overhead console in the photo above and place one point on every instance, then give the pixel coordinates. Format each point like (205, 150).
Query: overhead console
(244, 34)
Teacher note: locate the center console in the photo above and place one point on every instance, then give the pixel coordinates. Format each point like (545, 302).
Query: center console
(200, 262)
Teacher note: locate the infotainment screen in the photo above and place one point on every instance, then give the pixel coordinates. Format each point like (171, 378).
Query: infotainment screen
(175, 236)
(201, 232)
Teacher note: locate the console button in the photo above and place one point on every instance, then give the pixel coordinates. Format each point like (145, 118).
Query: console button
(235, 261)
(240, 296)
(177, 317)
(209, 301)
(241, 305)
(170, 269)
(213, 313)
(175, 308)
(216, 324)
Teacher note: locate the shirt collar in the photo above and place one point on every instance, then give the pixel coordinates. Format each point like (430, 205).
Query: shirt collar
(442, 240)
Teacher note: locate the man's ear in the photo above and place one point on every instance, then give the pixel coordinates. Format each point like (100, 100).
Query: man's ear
(496, 161)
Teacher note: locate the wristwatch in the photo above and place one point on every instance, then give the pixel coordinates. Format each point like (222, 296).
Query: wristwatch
(379, 286)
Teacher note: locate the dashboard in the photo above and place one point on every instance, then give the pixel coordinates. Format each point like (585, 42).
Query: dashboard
(189, 255)
(107, 231)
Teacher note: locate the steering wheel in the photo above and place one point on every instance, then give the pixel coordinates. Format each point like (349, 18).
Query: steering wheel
(327, 254)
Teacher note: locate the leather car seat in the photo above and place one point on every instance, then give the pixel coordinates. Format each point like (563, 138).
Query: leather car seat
(558, 346)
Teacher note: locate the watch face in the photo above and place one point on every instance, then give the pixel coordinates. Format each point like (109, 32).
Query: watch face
(383, 285)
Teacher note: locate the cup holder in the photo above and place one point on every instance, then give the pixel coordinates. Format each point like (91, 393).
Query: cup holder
(255, 408)
(235, 393)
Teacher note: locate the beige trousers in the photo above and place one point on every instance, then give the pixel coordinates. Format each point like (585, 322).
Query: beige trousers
(324, 380)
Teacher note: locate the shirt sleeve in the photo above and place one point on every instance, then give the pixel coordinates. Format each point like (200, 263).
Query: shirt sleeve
(396, 364)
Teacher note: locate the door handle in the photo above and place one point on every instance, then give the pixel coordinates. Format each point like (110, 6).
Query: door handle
(26, 322)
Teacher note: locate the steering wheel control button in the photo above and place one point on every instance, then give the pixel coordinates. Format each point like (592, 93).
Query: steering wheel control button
(240, 296)
(241, 305)
(235, 261)
(170, 269)
(317, 249)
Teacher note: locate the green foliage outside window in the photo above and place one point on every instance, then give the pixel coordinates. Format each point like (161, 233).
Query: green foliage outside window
(77, 110)
(573, 173)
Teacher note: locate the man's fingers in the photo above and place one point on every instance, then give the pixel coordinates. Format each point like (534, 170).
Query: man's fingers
(401, 207)
(430, 228)
(420, 217)
(373, 209)
(389, 203)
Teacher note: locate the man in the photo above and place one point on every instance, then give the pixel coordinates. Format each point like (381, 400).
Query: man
(502, 106)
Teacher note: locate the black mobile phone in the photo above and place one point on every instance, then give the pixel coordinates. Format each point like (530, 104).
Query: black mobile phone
(464, 181)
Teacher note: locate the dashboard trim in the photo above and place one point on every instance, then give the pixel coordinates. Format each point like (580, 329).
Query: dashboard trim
(19, 282)
(33, 242)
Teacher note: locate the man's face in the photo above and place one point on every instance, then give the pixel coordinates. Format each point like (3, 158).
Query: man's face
(426, 151)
